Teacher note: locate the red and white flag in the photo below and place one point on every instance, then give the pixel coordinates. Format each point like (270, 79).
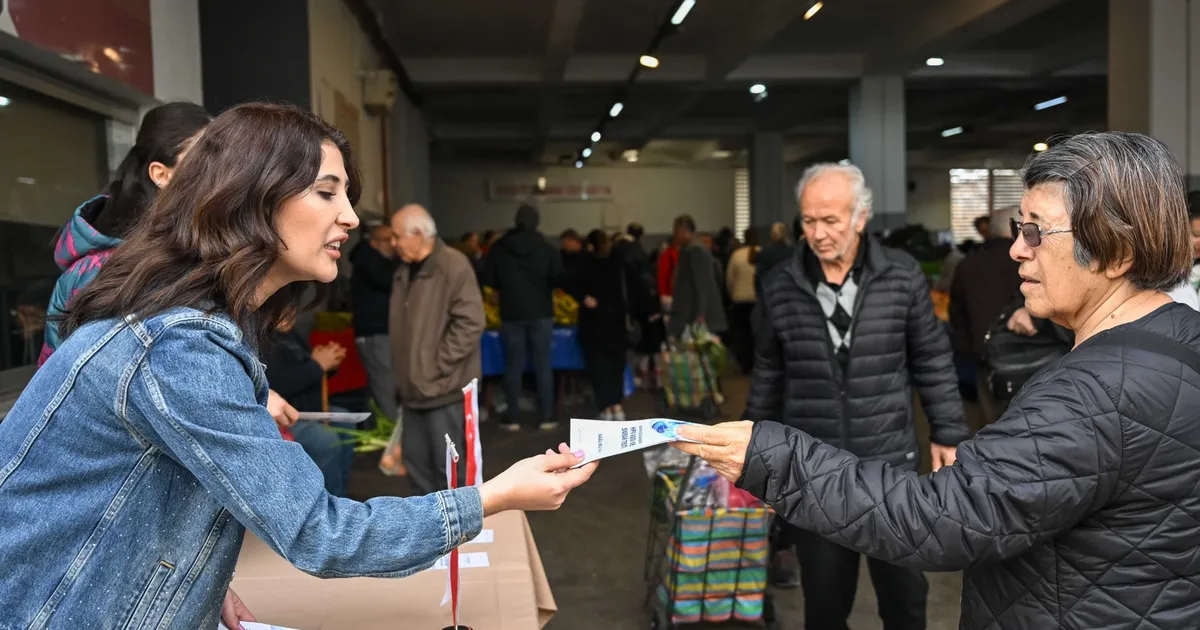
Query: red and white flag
(474, 477)
(471, 425)
(452, 575)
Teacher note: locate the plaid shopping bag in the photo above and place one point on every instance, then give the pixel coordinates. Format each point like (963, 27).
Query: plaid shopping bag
(684, 377)
(717, 565)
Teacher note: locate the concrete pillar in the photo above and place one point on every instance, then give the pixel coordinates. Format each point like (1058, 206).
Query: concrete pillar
(877, 146)
(1154, 75)
(768, 191)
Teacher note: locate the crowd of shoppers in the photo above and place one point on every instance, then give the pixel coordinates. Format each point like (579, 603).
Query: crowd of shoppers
(200, 254)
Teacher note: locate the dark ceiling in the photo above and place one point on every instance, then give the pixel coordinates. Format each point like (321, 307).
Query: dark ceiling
(529, 80)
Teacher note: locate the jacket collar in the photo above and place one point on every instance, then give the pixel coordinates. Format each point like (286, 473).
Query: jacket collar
(870, 259)
(431, 260)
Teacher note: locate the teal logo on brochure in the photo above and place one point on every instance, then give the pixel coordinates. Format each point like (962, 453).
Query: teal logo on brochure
(666, 428)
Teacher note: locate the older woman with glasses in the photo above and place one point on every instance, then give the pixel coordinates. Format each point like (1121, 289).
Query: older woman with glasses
(1080, 507)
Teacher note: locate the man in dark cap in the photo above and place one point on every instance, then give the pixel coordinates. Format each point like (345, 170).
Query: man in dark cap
(523, 268)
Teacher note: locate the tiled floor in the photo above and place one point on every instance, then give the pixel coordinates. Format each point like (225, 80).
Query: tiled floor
(594, 547)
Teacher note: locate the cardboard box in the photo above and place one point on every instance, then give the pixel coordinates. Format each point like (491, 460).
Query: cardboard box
(512, 593)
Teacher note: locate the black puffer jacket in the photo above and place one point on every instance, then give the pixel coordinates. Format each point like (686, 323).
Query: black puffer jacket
(896, 343)
(1079, 508)
(524, 268)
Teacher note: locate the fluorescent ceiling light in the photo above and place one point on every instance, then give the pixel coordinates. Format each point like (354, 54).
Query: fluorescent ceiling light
(758, 88)
(720, 154)
(1041, 146)
(616, 110)
(953, 131)
(650, 61)
(934, 62)
(1050, 103)
(682, 12)
(579, 164)
(595, 136)
(813, 10)
(587, 152)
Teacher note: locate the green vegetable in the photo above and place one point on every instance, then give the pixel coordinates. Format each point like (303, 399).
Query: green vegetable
(369, 440)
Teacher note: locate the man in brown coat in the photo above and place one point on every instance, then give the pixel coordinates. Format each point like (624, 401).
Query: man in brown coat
(435, 323)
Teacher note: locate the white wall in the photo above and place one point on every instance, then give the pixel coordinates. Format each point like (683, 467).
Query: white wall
(929, 201)
(175, 43)
(651, 196)
(409, 158)
(339, 53)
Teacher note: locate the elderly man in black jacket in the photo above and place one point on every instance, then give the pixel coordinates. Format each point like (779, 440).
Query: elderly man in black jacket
(845, 332)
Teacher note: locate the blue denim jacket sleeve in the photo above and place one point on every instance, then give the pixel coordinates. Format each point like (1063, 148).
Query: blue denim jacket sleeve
(196, 391)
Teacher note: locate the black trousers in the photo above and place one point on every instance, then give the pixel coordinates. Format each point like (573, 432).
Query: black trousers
(423, 441)
(829, 577)
(606, 371)
(742, 336)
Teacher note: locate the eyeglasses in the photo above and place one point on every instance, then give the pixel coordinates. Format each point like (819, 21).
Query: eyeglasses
(1031, 232)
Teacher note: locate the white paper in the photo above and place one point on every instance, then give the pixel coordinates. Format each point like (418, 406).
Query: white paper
(252, 625)
(323, 416)
(473, 560)
(603, 438)
(485, 537)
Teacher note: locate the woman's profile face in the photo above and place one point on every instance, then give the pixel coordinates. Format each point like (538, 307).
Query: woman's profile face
(1054, 286)
(316, 223)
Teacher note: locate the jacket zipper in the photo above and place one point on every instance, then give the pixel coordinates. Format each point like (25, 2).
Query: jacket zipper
(858, 301)
(834, 367)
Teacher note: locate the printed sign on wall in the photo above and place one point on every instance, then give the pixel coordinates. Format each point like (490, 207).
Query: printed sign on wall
(583, 191)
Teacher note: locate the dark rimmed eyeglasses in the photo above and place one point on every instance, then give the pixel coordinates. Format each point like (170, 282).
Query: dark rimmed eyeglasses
(1031, 232)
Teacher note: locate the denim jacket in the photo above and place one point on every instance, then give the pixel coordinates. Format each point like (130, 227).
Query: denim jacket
(133, 461)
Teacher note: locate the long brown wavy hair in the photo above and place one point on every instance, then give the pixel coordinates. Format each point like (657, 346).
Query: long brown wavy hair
(210, 238)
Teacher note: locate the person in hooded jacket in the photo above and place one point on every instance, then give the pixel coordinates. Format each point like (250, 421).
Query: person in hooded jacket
(523, 267)
(1078, 508)
(100, 223)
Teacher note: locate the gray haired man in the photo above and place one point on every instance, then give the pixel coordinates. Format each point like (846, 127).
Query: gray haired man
(436, 323)
(845, 331)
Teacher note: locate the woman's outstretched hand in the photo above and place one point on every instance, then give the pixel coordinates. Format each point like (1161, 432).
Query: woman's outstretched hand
(723, 445)
(536, 483)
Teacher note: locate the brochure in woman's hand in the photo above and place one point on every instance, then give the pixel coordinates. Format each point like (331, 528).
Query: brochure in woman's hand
(603, 438)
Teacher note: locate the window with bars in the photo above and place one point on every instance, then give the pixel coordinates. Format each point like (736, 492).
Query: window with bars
(977, 192)
(741, 202)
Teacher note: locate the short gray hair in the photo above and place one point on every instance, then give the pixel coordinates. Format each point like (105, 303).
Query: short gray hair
(1126, 197)
(419, 221)
(863, 197)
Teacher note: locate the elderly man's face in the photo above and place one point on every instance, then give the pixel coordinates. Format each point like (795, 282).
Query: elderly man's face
(1055, 286)
(827, 216)
(408, 243)
(381, 240)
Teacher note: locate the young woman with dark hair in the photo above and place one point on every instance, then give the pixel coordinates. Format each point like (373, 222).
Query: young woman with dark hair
(611, 300)
(102, 222)
(139, 453)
